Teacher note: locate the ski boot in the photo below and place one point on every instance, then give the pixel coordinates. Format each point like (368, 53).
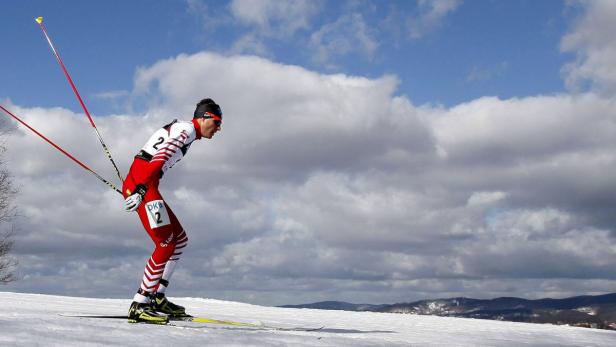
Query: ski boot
(161, 304)
(145, 313)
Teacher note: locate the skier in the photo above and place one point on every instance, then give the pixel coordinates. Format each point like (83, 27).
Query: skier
(165, 147)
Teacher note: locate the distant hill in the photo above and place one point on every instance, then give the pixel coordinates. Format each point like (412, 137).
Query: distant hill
(588, 311)
(338, 305)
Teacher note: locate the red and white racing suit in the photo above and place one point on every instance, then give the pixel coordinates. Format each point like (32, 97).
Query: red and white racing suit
(166, 146)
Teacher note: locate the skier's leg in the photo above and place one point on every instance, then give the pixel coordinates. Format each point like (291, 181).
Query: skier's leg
(156, 220)
(181, 240)
(141, 309)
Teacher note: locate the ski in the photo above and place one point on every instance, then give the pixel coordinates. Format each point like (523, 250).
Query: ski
(213, 321)
(185, 319)
(258, 326)
(204, 320)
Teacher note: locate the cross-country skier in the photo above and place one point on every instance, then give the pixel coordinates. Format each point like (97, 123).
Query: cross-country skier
(165, 147)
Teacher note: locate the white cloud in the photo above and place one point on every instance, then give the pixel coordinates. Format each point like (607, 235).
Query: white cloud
(329, 182)
(594, 44)
(489, 128)
(320, 30)
(484, 198)
(113, 94)
(347, 35)
(250, 43)
(275, 18)
(430, 17)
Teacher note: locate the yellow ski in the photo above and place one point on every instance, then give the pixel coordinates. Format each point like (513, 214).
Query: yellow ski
(214, 321)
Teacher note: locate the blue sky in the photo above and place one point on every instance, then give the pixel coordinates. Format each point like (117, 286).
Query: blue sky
(499, 48)
(459, 148)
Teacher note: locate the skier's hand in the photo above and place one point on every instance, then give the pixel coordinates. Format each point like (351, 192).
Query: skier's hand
(133, 201)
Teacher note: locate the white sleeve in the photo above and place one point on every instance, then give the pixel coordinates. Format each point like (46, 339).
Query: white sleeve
(181, 135)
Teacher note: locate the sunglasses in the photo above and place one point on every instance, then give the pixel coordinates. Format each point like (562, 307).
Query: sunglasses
(217, 119)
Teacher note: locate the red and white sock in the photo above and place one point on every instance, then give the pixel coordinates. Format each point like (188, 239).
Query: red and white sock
(151, 276)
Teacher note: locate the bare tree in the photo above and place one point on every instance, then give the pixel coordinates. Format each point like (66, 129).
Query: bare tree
(7, 263)
(7, 212)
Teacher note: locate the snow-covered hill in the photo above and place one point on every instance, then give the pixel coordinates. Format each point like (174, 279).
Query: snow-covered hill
(36, 320)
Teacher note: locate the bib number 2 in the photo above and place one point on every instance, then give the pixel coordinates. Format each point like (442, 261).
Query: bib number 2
(157, 214)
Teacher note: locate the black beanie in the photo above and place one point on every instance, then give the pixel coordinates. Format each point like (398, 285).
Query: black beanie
(207, 105)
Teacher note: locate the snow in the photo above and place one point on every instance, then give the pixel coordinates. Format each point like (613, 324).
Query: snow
(35, 320)
(588, 310)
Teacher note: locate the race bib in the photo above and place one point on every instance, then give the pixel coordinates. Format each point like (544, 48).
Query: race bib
(157, 214)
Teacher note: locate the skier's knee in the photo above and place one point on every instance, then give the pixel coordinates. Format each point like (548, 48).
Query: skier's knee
(182, 240)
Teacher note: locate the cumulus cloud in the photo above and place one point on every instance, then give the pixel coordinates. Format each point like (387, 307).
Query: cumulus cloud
(329, 186)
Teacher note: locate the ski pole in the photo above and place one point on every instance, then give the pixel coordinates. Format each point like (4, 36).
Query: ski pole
(39, 20)
(61, 150)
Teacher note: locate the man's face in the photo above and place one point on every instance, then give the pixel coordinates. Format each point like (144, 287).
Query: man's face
(209, 127)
